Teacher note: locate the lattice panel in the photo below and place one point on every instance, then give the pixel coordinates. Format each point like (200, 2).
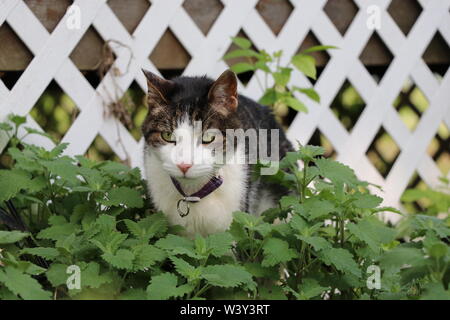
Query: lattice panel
(206, 38)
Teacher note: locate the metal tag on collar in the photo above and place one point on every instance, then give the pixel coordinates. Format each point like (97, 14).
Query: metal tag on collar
(183, 212)
(183, 205)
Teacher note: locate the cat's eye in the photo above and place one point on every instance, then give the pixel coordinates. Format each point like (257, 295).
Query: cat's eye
(208, 137)
(168, 137)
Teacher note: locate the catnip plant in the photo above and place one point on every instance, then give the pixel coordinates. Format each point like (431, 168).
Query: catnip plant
(66, 217)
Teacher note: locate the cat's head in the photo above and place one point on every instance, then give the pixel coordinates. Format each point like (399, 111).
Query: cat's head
(187, 120)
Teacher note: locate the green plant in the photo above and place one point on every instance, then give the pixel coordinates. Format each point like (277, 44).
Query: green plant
(278, 91)
(317, 244)
(436, 201)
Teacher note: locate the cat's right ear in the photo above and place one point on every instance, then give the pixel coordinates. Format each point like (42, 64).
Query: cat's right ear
(223, 96)
(158, 88)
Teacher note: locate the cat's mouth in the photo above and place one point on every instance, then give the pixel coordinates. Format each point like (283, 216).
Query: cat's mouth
(195, 172)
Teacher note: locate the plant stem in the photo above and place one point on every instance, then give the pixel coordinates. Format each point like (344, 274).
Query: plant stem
(256, 76)
(203, 289)
(306, 164)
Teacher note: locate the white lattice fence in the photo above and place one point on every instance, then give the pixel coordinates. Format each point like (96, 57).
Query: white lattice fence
(51, 62)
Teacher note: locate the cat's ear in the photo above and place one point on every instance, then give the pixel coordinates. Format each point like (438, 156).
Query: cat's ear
(158, 88)
(223, 95)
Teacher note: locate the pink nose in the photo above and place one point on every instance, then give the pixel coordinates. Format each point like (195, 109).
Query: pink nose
(184, 167)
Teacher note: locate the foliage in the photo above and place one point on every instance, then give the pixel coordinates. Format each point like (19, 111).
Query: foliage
(278, 91)
(319, 242)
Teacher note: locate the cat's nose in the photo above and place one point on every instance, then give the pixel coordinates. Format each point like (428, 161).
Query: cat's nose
(184, 167)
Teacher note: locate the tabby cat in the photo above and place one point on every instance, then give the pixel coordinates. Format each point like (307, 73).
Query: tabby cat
(198, 172)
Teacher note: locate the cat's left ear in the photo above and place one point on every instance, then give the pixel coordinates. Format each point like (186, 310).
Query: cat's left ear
(158, 88)
(223, 94)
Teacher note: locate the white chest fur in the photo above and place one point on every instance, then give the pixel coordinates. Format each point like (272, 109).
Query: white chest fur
(213, 213)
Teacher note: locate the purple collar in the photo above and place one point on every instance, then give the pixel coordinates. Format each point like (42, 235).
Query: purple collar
(209, 187)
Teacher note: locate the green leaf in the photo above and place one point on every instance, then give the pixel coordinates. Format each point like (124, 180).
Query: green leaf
(122, 259)
(219, 244)
(177, 245)
(153, 225)
(318, 48)
(272, 293)
(373, 232)
(146, 256)
(91, 277)
(245, 219)
(12, 182)
(336, 171)
(30, 268)
(22, 284)
(96, 181)
(241, 42)
(200, 245)
(12, 236)
(310, 288)
(291, 202)
(282, 77)
(317, 208)
(37, 132)
(17, 120)
(25, 159)
(401, 256)
(133, 294)
(134, 228)
(185, 269)
(295, 104)
(6, 295)
(423, 222)
(124, 196)
(310, 92)
(412, 195)
(318, 243)
(106, 223)
(299, 224)
(63, 168)
(4, 126)
(261, 65)
(309, 152)
(269, 97)
(58, 230)
(241, 53)
(57, 151)
(37, 185)
(436, 291)
(366, 201)
(46, 253)
(276, 251)
(227, 276)
(342, 259)
(258, 271)
(242, 67)
(57, 274)
(306, 64)
(164, 286)
(438, 250)
(109, 241)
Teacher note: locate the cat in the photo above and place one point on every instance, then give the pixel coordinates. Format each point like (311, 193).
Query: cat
(173, 142)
